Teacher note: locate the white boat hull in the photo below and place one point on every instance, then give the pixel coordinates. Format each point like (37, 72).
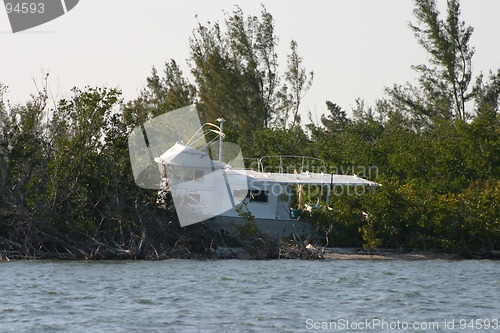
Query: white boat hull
(271, 227)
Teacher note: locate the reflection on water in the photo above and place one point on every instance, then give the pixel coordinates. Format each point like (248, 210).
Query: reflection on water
(243, 296)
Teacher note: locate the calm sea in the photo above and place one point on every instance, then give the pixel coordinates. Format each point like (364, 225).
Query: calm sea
(250, 296)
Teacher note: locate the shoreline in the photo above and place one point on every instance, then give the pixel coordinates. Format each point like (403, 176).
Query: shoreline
(339, 253)
(353, 253)
(307, 253)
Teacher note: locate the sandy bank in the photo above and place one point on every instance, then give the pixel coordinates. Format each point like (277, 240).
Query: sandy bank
(384, 254)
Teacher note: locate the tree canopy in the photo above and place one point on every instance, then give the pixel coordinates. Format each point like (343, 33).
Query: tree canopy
(66, 185)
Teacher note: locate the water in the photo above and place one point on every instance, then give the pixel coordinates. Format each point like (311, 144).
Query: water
(248, 296)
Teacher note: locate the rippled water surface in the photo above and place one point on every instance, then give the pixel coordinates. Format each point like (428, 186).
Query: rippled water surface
(247, 296)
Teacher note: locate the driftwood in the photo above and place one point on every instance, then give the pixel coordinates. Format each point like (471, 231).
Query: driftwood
(301, 251)
(154, 239)
(157, 241)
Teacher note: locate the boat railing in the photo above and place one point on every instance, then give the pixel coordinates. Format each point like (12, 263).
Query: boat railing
(305, 164)
(250, 163)
(203, 132)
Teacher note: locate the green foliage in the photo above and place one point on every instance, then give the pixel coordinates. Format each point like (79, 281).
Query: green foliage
(235, 66)
(236, 70)
(370, 240)
(444, 85)
(66, 177)
(337, 120)
(470, 219)
(278, 141)
(161, 94)
(399, 216)
(340, 223)
(298, 83)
